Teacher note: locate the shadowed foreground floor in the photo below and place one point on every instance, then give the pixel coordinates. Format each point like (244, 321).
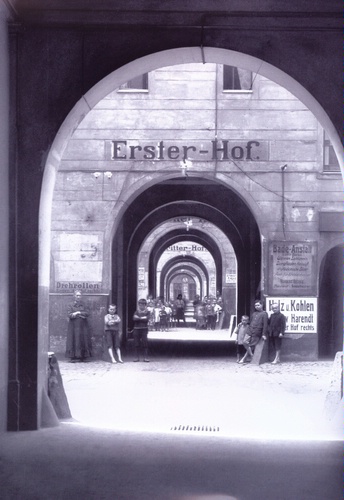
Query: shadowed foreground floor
(76, 462)
(269, 437)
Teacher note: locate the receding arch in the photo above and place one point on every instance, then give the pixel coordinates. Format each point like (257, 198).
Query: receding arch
(173, 237)
(188, 270)
(165, 200)
(175, 265)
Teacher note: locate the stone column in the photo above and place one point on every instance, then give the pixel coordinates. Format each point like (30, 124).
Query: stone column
(4, 213)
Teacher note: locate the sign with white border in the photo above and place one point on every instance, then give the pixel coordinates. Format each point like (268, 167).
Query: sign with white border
(292, 268)
(301, 312)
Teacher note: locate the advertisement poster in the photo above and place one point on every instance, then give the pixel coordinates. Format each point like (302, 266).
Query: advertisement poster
(292, 268)
(141, 277)
(301, 312)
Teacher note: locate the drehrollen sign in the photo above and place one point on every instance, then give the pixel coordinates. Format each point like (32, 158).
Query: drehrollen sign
(197, 150)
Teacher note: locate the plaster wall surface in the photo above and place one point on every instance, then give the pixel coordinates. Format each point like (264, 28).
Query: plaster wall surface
(105, 157)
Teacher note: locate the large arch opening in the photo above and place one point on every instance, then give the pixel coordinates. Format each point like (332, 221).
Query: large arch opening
(149, 201)
(202, 198)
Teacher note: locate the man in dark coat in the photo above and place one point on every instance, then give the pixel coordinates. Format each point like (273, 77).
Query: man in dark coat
(277, 326)
(78, 346)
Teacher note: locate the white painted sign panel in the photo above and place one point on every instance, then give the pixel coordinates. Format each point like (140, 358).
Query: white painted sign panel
(301, 312)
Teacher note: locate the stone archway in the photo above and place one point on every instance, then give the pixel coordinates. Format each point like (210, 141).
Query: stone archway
(82, 108)
(192, 267)
(161, 202)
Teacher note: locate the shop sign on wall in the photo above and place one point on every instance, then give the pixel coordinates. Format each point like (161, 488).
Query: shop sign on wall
(292, 268)
(141, 277)
(186, 248)
(83, 286)
(301, 312)
(230, 278)
(217, 149)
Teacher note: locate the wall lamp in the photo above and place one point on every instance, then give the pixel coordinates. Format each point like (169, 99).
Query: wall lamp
(106, 174)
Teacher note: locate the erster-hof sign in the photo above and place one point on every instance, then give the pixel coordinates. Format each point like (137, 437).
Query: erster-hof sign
(197, 150)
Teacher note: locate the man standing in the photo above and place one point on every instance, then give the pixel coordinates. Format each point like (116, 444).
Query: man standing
(258, 330)
(277, 326)
(78, 346)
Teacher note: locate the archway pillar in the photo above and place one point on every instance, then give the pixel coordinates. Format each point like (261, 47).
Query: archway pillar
(4, 216)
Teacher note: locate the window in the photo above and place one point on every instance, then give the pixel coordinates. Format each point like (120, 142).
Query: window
(136, 84)
(330, 160)
(236, 79)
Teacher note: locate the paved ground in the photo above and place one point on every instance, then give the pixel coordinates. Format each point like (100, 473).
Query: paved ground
(265, 435)
(200, 386)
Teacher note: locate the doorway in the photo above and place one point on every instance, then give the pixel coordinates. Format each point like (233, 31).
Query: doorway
(330, 321)
(203, 198)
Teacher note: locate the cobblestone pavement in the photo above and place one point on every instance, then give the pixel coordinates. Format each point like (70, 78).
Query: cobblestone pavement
(193, 388)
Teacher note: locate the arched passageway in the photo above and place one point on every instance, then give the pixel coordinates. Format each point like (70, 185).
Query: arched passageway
(175, 236)
(220, 198)
(69, 78)
(203, 198)
(180, 265)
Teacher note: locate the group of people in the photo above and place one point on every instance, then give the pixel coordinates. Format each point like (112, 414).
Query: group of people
(79, 347)
(162, 315)
(159, 315)
(148, 315)
(207, 312)
(250, 331)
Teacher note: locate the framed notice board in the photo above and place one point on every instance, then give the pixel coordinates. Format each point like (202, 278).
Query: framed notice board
(292, 268)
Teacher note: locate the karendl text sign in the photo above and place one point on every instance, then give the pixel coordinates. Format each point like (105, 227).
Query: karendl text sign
(301, 312)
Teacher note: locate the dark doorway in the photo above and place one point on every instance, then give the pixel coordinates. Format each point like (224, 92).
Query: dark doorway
(181, 197)
(330, 320)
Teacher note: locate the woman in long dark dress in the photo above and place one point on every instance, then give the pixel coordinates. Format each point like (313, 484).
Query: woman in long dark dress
(78, 346)
(180, 306)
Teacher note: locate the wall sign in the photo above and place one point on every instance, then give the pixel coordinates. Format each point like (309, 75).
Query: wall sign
(217, 149)
(186, 248)
(71, 286)
(231, 278)
(292, 268)
(301, 312)
(141, 277)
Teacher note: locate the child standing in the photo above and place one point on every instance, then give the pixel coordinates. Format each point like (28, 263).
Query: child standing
(112, 333)
(140, 332)
(163, 319)
(157, 310)
(242, 331)
(210, 315)
(168, 310)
